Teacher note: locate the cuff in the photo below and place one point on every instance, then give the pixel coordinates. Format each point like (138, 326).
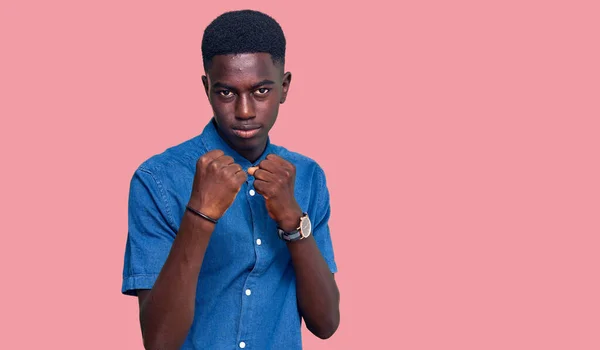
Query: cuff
(132, 283)
(332, 265)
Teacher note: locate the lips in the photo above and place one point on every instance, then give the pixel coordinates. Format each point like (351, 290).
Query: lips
(246, 131)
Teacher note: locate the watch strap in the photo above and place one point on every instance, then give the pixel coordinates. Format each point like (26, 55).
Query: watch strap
(289, 236)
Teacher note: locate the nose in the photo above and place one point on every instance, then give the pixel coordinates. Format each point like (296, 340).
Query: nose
(244, 108)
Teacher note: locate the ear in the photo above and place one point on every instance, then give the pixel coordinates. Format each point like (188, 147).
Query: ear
(287, 80)
(205, 83)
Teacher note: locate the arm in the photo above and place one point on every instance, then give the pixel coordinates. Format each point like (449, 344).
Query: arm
(316, 289)
(317, 293)
(167, 310)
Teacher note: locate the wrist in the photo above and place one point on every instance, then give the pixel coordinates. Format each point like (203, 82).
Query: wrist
(198, 222)
(291, 221)
(206, 210)
(195, 226)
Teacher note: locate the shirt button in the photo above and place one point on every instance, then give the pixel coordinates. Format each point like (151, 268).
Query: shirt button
(242, 344)
(258, 242)
(252, 193)
(248, 292)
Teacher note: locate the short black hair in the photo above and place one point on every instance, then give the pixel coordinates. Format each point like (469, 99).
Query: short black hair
(243, 31)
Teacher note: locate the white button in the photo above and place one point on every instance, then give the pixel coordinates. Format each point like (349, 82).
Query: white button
(252, 193)
(258, 242)
(242, 344)
(248, 292)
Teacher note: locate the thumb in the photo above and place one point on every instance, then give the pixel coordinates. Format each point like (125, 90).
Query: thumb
(251, 170)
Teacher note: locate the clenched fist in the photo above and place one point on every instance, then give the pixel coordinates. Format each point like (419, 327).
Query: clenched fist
(216, 183)
(274, 180)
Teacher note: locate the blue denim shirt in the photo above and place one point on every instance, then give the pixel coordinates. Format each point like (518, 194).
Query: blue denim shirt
(246, 294)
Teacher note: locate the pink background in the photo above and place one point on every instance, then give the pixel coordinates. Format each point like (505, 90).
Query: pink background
(460, 140)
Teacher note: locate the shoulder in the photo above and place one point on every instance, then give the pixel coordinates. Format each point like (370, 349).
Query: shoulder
(303, 163)
(163, 179)
(180, 157)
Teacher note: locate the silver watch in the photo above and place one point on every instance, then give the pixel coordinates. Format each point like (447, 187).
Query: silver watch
(303, 231)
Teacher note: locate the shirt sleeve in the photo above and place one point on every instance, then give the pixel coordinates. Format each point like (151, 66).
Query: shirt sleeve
(150, 232)
(320, 219)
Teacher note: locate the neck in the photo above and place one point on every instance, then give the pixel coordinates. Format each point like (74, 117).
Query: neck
(253, 154)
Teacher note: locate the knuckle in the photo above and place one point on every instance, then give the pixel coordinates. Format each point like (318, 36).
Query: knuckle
(232, 180)
(216, 153)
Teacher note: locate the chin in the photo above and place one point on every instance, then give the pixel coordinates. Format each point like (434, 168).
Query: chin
(248, 144)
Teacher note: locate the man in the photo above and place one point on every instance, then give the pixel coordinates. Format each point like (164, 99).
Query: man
(228, 243)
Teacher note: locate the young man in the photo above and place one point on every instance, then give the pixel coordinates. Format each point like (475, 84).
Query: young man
(228, 243)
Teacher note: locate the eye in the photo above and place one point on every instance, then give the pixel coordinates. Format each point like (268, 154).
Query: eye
(225, 93)
(262, 91)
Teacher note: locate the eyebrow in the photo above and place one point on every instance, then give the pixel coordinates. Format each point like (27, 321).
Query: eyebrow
(255, 86)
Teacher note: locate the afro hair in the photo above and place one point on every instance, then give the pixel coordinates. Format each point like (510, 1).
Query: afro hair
(243, 31)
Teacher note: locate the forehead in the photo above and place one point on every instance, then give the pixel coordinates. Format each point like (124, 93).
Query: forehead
(243, 67)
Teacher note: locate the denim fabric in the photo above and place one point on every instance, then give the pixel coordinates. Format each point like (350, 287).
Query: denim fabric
(246, 290)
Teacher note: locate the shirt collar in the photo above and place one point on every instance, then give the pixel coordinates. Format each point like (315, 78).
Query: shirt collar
(212, 140)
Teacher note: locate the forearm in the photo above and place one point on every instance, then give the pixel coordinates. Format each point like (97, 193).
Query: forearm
(316, 289)
(167, 312)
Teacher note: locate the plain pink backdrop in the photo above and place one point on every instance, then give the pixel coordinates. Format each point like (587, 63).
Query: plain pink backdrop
(460, 140)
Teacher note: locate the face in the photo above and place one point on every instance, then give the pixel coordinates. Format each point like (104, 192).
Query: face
(245, 92)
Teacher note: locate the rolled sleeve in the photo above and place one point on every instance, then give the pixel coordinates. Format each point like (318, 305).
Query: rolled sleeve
(150, 232)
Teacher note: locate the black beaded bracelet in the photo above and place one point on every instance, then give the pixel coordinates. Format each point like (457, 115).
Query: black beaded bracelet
(201, 215)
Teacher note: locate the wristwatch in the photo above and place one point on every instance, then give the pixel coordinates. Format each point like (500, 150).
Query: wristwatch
(303, 231)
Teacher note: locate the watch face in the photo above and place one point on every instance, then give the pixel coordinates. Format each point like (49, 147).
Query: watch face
(305, 227)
